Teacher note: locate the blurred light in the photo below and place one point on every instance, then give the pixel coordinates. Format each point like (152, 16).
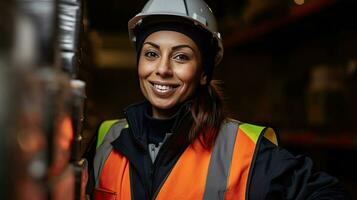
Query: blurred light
(37, 168)
(352, 67)
(299, 2)
(26, 45)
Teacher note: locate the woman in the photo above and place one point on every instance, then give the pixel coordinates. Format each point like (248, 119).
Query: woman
(178, 144)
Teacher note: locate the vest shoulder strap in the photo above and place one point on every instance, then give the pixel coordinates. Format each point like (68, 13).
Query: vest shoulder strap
(103, 130)
(108, 132)
(254, 132)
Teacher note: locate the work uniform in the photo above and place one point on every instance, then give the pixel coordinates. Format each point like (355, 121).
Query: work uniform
(244, 163)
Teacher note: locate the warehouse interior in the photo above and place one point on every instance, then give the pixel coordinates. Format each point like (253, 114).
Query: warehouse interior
(288, 64)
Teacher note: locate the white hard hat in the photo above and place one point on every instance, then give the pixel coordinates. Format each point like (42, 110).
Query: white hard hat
(196, 11)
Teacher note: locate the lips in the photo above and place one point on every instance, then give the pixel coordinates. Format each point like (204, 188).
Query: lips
(163, 90)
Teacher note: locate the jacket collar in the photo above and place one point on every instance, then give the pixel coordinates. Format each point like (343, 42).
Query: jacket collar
(135, 115)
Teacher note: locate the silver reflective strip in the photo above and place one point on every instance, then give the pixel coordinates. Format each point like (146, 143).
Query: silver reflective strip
(220, 162)
(105, 148)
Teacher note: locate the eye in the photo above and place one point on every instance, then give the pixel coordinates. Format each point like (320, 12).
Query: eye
(151, 54)
(182, 57)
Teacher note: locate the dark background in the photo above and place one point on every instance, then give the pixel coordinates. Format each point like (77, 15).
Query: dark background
(292, 67)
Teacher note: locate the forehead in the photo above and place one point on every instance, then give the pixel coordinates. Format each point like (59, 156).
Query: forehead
(170, 38)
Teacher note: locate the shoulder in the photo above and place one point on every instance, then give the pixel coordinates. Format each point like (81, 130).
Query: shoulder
(109, 130)
(252, 131)
(278, 174)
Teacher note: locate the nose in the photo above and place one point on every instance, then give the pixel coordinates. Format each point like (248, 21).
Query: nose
(164, 68)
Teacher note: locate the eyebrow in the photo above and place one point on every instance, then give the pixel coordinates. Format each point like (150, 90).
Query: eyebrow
(173, 48)
(152, 44)
(182, 46)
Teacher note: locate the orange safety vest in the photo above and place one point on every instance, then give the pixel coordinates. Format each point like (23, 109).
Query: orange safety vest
(221, 173)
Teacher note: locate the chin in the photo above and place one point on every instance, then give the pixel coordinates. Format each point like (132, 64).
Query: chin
(163, 105)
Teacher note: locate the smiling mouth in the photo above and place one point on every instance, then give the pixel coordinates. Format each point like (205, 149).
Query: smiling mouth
(163, 90)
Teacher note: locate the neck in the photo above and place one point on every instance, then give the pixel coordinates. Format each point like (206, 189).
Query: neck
(163, 113)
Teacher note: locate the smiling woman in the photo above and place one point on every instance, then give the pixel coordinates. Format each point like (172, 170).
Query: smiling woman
(169, 71)
(178, 143)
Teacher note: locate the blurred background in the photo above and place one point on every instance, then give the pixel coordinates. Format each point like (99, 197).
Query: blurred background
(68, 65)
(290, 64)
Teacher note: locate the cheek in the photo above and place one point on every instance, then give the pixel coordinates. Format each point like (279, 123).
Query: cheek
(142, 74)
(189, 75)
(143, 69)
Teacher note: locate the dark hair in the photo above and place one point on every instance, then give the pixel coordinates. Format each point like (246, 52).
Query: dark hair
(208, 114)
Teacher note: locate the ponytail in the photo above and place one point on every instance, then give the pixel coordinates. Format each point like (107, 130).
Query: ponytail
(208, 114)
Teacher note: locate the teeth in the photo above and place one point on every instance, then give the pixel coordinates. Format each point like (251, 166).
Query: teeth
(162, 87)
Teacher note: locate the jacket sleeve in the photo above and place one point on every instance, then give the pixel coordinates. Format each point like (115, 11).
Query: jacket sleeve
(277, 174)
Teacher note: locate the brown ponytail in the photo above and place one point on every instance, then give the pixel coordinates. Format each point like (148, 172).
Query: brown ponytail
(208, 114)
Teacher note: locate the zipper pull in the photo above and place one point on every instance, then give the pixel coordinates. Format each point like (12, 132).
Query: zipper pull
(153, 151)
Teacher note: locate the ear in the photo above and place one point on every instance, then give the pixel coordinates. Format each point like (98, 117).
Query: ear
(203, 79)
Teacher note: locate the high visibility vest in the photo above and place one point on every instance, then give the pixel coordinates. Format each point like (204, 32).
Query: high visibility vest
(221, 173)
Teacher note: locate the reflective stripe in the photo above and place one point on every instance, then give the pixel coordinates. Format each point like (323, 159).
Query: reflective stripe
(219, 167)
